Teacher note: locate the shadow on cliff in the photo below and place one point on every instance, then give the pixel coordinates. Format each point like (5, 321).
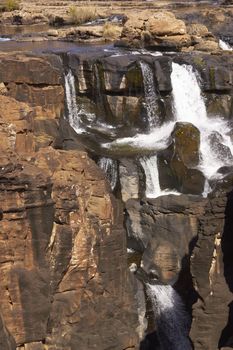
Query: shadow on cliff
(226, 338)
(184, 287)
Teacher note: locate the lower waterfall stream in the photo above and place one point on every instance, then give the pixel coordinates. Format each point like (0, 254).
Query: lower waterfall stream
(172, 320)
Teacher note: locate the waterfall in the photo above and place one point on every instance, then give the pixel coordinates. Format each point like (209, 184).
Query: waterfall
(150, 95)
(150, 167)
(149, 164)
(3, 39)
(189, 106)
(224, 46)
(109, 166)
(73, 113)
(171, 317)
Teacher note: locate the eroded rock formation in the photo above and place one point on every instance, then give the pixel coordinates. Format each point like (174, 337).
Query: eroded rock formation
(64, 278)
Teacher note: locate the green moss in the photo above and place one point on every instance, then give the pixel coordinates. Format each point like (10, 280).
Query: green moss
(198, 61)
(99, 72)
(212, 77)
(134, 79)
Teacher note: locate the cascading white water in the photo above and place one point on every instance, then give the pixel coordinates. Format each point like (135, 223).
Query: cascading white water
(171, 317)
(224, 46)
(150, 95)
(149, 164)
(189, 106)
(216, 148)
(73, 113)
(109, 166)
(150, 167)
(2, 39)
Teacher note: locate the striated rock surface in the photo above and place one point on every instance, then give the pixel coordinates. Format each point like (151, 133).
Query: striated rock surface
(64, 279)
(211, 267)
(37, 81)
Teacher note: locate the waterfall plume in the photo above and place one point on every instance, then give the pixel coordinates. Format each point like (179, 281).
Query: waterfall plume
(172, 320)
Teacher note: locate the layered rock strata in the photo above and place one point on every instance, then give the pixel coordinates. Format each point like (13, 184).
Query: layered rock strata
(64, 280)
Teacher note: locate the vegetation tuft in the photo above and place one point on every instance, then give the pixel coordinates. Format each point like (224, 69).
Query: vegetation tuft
(82, 14)
(12, 5)
(111, 31)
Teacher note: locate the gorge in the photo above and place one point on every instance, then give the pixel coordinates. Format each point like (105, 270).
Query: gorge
(116, 184)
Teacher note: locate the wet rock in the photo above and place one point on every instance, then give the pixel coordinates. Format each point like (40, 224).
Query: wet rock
(127, 110)
(163, 68)
(219, 105)
(222, 151)
(177, 163)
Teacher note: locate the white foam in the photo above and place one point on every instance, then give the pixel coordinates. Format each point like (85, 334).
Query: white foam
(224, 46)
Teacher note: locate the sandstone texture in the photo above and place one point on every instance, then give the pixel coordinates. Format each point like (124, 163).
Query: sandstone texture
(161, 30)
(64, 279)
(65, 282)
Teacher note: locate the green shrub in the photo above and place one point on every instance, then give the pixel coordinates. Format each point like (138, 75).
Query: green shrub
(82, 14)
(12, 5)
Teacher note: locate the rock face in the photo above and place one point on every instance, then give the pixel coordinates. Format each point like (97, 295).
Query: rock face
(59, 228)
(64, 277)
(211, 266)
(167, 228)
(162, 30)
(159, 30)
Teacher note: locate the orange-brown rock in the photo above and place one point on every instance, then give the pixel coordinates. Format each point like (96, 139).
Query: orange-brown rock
(154, 30)
(59, 222)
(16, 120)
(63, 267)
(36, 81)
(29, 69)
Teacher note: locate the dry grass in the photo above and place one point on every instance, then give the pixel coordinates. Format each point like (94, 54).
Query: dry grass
(82, 14)
(9, 5)
(111, 31)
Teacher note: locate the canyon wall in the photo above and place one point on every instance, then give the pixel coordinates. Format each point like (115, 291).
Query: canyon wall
(64, 234)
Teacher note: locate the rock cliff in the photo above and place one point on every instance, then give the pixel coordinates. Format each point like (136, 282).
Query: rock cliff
(66, 227)
(64, 279)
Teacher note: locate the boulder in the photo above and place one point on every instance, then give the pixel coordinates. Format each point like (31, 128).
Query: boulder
(219, 105)
(207, 45)
(177, 163)
(198, 29)
(221, 151)
(159, 30)
(164, 23)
